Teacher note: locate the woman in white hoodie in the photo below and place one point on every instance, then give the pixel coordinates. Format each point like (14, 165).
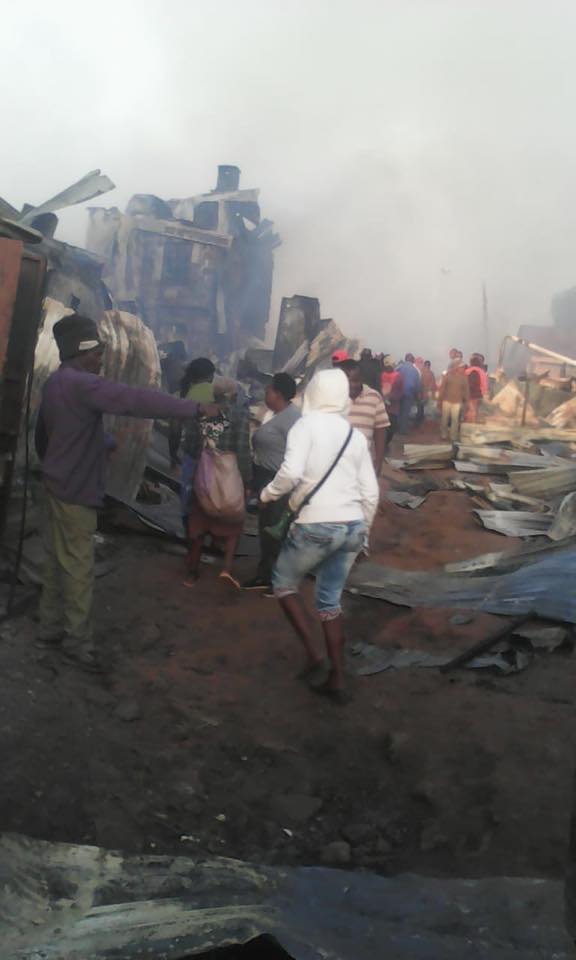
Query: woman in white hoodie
(332, 529)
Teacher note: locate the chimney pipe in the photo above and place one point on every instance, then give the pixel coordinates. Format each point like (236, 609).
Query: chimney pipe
(228, 179)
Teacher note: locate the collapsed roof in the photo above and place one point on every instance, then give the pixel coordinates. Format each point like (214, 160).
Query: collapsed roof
(197, 269)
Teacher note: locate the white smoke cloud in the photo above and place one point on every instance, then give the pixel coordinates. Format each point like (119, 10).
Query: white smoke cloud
(407, 151)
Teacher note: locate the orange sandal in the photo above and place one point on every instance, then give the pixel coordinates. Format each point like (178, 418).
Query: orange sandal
(228, 576)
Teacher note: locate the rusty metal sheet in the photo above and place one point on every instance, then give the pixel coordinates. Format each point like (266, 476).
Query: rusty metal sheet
(10, 259)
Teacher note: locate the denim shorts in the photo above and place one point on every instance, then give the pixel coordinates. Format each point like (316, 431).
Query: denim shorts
(326, 549)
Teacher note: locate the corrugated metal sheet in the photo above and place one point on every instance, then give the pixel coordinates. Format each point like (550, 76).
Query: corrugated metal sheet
(543, 585)
(515, 523)
(547, 483)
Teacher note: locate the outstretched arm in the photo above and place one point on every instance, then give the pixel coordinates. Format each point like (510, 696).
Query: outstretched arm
(106, 396)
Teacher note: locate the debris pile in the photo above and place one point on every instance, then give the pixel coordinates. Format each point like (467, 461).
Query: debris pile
(198, 270)
(110, 904)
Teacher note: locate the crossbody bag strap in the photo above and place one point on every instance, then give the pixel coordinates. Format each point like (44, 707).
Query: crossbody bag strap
(321, 482)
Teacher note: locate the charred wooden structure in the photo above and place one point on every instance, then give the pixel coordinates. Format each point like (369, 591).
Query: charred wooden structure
(197, 270)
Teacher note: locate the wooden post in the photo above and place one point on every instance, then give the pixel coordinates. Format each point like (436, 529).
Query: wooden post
(526, 395)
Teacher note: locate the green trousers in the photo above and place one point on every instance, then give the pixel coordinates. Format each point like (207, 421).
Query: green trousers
(66, 603)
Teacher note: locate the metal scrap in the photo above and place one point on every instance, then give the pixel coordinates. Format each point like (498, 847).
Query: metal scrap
(498, 456)
(504, 496)
(427, 456)
(316, 354)
(565, 521)
(401, 498)
(74, 902)
(94, 184)
(505, 561)
(515, 523)
(547, 483)
(491, 433)
(564, 414)
(366, 659)
(543, 581)
(488, 469)
(511, 403)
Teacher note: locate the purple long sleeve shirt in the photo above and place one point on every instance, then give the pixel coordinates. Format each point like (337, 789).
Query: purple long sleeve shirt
(70, 433)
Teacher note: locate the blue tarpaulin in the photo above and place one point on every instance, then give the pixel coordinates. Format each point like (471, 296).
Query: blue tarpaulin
(543, 585)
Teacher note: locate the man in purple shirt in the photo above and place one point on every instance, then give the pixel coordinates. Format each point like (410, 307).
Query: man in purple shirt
(72, 447)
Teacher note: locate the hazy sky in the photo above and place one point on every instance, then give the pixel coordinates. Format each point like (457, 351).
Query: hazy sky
(407, 150)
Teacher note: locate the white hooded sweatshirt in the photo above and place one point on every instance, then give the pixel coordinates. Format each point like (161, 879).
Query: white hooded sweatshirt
(351, 491)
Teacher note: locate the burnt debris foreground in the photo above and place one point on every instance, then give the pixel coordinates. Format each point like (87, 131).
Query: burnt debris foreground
(71, 903)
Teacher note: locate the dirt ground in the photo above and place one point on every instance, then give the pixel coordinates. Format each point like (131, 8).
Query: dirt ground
(199, 739)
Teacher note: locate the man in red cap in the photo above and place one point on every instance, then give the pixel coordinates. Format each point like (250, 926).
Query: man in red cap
(338, 357)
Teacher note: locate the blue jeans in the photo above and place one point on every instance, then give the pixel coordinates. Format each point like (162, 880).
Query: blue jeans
(406, 404)
(329, 550)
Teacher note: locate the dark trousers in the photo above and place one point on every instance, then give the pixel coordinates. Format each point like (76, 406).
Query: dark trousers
(406, 404)
(268, 515)
(392, 429)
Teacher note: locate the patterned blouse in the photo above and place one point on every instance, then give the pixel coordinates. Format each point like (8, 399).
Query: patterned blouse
(228, 432)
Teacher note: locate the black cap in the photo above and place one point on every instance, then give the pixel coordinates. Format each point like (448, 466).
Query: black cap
(76, 335)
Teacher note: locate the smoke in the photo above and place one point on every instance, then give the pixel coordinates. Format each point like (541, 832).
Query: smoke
(407, 150)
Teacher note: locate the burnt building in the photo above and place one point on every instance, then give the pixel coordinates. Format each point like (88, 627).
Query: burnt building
(197, 269)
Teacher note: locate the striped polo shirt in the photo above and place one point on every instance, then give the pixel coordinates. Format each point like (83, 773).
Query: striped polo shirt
(368, 413)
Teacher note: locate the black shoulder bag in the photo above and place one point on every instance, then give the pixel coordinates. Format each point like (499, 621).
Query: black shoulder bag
(280, 530)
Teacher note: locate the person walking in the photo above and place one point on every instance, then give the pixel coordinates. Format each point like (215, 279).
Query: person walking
(226, 432)
(367, 412)
(453, 396)
(410, 391)
(392, 390)
(429, 385)
(71, 445)
(268, 448)
(370, 370)
(196, 384)
(328, 473)
(477, 385)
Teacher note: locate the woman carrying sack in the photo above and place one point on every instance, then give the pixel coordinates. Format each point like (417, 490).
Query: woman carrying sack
(196, 384)
(221, 448)
(328, 471)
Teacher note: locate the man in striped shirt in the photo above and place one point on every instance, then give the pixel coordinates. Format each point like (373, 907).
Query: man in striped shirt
(367, 412)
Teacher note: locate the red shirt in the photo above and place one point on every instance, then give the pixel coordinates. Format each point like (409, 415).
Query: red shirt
(392, 390)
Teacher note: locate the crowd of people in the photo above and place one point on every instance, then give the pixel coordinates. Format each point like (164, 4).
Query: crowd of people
(309, 469)
(410, 388)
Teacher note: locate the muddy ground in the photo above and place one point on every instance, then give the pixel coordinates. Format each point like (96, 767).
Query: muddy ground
(199, 739)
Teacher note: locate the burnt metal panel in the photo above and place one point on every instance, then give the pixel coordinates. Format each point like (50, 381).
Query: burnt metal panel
(10, 259)
(19, 331)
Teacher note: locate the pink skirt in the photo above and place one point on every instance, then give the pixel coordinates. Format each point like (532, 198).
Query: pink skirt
(199, 524)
